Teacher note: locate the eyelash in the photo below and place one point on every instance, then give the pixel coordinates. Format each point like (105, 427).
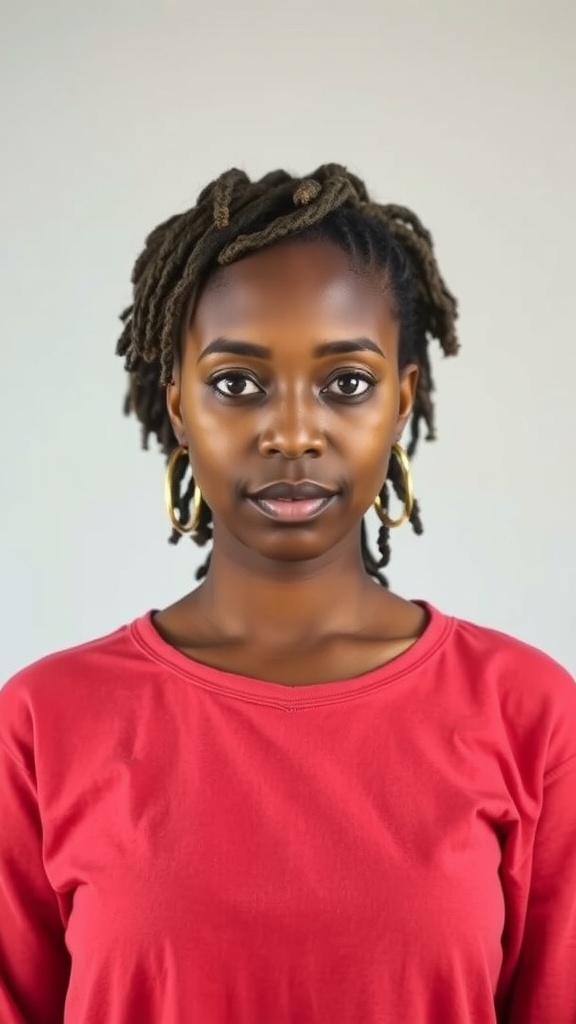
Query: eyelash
(235, 375)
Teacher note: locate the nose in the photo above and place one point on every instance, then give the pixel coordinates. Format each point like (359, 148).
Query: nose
(293, 430)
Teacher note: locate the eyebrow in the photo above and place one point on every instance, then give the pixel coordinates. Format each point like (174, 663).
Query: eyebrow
(326, 348)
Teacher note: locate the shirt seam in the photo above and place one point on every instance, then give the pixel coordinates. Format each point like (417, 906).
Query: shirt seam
(301, 704)
(16, 760)
(560, 769)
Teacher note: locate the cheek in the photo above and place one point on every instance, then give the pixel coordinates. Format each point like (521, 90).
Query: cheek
(216, 436)
(368, 436)
(370, 425)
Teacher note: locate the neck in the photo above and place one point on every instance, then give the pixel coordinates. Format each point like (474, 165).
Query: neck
(277, 602)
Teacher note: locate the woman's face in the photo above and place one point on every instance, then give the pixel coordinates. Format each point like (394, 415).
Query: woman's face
(289, 397)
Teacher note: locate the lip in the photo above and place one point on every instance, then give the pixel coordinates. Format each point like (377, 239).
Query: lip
(293, 510)
(286, 490)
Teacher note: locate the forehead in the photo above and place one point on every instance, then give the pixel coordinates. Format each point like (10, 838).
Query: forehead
(293, 282)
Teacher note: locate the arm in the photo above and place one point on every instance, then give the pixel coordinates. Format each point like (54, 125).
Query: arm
(34, 962)
(544, 988)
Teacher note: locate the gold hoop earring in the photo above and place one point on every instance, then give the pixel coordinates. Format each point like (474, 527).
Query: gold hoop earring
(194, 522)
(400, 454)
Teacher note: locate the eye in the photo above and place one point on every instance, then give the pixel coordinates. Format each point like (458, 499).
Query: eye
(234, 385)
(349, 385)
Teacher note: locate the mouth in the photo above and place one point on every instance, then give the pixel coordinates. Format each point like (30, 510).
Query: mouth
(292, 510)
(288, 502)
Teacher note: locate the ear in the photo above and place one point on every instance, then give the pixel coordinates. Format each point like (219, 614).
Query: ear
(407, 394)
(173, 396)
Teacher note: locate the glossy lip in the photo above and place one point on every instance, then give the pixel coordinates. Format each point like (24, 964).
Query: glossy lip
(293, 511)
(289, 491)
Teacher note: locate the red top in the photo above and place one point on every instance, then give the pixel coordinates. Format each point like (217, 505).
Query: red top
(181, 845)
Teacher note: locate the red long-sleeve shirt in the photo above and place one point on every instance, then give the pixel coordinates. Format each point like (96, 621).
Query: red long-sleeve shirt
(182, 845)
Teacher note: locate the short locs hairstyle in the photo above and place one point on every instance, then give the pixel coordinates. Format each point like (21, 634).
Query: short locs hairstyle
(234, 216)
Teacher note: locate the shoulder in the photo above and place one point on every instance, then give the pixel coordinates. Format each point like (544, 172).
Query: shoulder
(532, 691)
(63, 687)
(507, 657)
(68, 665)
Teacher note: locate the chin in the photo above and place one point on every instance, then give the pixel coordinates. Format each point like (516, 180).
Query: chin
(293, 549)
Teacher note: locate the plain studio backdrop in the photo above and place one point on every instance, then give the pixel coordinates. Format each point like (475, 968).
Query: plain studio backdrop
(114, 115)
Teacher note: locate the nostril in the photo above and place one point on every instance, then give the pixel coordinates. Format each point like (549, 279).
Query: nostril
(292, 447)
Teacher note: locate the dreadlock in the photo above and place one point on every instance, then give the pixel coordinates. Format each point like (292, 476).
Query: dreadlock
(234, 216)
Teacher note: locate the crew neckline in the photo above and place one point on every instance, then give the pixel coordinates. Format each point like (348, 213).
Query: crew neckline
(261, 691)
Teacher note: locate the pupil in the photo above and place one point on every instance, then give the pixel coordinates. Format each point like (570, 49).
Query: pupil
(236, 385)
(348, 384)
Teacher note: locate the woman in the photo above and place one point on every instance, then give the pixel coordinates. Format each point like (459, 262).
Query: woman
(292, 797)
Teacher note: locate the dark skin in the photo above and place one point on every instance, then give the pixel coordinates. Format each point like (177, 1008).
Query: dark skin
(286, 602)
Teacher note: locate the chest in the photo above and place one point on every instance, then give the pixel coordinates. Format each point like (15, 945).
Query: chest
(298, 833)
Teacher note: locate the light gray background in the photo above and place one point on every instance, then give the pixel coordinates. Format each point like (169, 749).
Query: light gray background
(115, 115)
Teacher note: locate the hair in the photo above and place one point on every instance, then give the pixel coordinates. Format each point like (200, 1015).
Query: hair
(234, 216)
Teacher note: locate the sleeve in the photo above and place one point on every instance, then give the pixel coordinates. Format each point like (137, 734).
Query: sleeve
(544, 986)
(34, 962)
